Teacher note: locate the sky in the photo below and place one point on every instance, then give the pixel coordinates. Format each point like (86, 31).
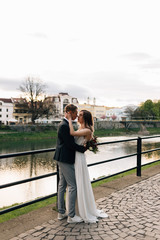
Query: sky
(103, 49)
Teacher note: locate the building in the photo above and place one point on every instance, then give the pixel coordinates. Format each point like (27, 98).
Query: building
(13, 111)
(20, 112)
(58, 103)
(119, 114)
(114, 114)
(98, 112)
(6, 111)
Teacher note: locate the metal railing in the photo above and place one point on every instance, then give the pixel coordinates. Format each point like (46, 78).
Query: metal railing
(138, 168)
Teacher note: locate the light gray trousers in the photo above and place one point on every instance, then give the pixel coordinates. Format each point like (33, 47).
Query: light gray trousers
(67, 179)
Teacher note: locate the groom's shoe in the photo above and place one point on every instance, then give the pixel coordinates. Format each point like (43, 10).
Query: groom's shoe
(75, 219)
(62, 216)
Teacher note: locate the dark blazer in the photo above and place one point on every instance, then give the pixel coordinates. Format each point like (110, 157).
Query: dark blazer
(66, 146)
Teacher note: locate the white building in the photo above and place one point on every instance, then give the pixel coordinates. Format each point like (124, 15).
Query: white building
(6, 111)
(118, 114)
(59, 102)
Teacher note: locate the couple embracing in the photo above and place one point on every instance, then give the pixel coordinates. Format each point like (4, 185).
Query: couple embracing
(73, 172)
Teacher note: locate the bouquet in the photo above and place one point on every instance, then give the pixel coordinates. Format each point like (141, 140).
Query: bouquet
(92, 145)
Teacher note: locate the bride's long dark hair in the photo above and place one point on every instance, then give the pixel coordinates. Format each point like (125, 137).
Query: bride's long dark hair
(88, 120)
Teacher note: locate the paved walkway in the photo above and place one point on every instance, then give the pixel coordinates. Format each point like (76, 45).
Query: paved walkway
(134, 213)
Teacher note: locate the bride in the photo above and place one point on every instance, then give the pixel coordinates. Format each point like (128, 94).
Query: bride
(85, 199)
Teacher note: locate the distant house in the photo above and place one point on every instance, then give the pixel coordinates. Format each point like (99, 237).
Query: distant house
(20, 112)
(6, 111)
(119, 114)
(97, 111)
(58, 103)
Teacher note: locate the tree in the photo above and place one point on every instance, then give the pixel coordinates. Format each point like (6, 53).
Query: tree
(33, 89)
(49, 109)
(148, 110)
(129, 111)
(156, 109)
(137, 114)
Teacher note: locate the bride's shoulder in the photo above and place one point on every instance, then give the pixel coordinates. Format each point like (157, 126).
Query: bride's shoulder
(87, 130)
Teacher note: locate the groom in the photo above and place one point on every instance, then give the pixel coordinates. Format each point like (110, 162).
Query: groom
(65, 156)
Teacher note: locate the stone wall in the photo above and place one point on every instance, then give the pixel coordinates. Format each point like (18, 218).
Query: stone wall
(97, 125)
(108, 125)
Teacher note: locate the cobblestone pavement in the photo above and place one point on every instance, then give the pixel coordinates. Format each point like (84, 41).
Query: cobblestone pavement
(134, 213)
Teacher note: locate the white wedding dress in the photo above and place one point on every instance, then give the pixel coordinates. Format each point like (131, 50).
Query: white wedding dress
(85, 199)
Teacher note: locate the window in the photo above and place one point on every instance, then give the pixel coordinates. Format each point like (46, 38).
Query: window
(0, 109)
(0, 115)
(6, 116)
(74, 100)
(65, 101)
(7, 110)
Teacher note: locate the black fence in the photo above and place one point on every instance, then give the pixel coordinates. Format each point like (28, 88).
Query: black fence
(138, 168)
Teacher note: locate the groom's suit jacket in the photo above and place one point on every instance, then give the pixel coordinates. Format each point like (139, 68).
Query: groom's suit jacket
(66, 146)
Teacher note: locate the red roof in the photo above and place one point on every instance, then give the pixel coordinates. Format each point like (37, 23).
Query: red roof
(6, 100)
(17, 100)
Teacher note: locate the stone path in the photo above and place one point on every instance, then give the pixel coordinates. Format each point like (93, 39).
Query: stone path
(134, 213)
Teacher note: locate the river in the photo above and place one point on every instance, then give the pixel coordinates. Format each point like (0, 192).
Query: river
(18, 168)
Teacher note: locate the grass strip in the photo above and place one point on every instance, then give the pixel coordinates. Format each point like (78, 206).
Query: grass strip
(18, 136)
(96, 184)
(52, 134)
(27, 209)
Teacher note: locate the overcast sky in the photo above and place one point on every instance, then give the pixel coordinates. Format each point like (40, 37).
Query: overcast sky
(107, 49)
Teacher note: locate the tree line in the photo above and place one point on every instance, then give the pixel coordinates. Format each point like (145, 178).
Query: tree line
(148, 110)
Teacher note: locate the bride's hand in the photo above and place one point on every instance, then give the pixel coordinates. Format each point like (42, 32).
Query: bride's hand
(69, 116)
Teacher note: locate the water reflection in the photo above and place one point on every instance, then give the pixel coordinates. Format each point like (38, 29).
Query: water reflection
(22, 146)
(33, 163)
(151, 155)
(14, 169)
(44, 160)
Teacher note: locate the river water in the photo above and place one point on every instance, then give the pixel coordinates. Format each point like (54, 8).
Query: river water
(18, 168)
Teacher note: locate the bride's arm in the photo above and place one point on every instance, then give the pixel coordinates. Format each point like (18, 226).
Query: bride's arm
(83, 132)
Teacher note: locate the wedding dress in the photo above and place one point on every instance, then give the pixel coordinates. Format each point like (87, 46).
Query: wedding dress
(87, 209)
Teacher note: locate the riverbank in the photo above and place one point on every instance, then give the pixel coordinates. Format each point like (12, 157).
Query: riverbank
(9, 135)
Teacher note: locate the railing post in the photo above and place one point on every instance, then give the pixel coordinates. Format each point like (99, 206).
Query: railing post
(139, 150)
(57, 186)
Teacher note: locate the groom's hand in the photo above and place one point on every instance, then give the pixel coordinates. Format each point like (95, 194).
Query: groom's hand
(86, 146)
(68, 114)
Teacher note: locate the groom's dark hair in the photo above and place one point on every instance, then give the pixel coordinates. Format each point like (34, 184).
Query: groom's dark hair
(70, 107)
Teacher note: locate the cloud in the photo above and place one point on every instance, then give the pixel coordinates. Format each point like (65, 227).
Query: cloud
(137, 56)
(9, 87)
(38, 35)
(110, 87)
(74, 39)
(73, 90)
(147, 61)
(77, 91)
(7, 84)
(155, 64)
